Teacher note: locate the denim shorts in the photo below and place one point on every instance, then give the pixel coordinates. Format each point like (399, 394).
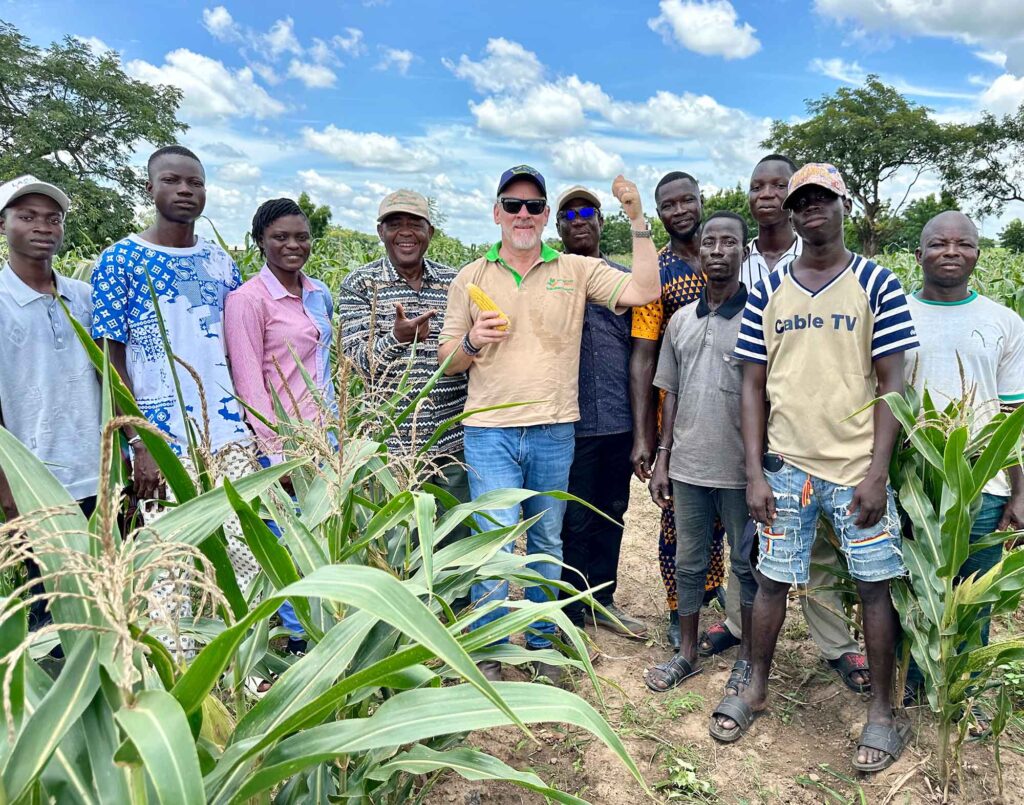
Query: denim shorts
(784, 555)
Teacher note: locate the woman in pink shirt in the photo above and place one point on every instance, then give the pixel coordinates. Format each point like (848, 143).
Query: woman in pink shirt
(276, 316)
(279, 312)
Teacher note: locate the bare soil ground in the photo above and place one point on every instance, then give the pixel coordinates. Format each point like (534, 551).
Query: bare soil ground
(799, 752)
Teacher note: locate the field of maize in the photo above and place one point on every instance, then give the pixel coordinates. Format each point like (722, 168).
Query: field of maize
(372, 714)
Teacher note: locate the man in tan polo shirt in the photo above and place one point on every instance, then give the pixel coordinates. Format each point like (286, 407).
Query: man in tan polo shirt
(536, 359)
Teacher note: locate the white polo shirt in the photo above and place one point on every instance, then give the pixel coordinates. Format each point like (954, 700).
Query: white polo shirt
(49, 390)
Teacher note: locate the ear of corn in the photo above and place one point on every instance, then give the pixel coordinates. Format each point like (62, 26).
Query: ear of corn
(484, 302)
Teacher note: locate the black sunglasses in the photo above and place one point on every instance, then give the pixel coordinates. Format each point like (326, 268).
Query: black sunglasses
(572, 215)
(534, 206)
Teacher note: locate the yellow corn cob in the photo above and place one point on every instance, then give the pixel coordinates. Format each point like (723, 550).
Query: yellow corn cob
(484, 302)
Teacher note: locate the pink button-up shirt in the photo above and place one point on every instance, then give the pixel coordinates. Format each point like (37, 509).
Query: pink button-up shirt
(262, 322)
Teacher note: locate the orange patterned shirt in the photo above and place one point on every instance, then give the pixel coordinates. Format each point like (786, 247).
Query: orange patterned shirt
(680, 285)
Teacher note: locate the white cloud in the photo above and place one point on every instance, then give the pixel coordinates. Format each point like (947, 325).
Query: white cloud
(211, 90)
(369, 149)
(96, 45)
(321, 52)
(399, 59)
(508, 67)
(996, 57)
(996, 24)
(546, 110)
(221, 25)
(267, 73)
(239, 173)
(980, 19)
(1004, 95)
(853, 73)
(314, 76)
(281, 38)
(847, 72)
(351, 42)
(579, 159)
(324, 188)
(708, 27)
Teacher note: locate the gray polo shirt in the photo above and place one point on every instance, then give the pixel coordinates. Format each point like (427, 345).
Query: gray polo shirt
(697, 365)
(49, 390)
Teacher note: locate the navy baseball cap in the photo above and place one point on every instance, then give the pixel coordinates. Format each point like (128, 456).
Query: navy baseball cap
(523, 172)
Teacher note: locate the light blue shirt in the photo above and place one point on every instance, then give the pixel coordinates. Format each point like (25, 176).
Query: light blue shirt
(49, 390)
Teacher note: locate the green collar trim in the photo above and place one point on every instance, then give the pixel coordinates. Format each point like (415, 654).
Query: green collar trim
(547, 254)
(970, 298)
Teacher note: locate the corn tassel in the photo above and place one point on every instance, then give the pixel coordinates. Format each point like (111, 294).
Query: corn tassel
(484, 302)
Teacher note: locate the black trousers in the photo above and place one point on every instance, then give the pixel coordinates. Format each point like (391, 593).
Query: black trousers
(38, 615)
(600, 475)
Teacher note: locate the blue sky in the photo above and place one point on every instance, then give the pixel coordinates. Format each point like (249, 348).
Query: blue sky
(353, 98)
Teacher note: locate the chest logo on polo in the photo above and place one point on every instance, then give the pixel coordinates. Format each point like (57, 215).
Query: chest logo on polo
(556, 284)
(833, 321)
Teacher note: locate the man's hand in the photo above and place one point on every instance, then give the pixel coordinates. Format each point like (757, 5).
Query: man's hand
(485, 329)
(761, 501)
(146, 478)
(1013, 514)
(660, 485)
(629, 197)
(408, 330)
(642, 455)
(869, 497)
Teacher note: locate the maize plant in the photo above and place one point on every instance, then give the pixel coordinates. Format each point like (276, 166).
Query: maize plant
(939, 473)
(369, 714)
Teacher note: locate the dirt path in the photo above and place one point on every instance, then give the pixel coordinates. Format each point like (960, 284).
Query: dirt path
(800, 748)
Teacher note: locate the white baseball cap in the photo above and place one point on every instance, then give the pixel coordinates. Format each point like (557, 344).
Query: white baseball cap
(25, 185)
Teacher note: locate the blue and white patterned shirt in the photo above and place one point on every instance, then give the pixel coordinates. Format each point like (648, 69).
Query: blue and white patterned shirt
(190, 285)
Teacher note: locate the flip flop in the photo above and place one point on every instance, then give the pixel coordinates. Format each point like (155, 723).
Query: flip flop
(673, 673)
(739, 711)
(849, 664)
(253, 684)
(739, 678)
(888, 738)
(718, 638)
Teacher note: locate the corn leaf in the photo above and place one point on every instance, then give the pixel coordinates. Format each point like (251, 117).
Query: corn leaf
(472, 765)
(62, 706)
(157, 726)
(417, 715)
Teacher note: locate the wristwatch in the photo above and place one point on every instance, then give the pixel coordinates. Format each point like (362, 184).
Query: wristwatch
(641, 233)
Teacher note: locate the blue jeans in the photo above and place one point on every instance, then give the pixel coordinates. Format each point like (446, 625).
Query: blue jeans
(286, 611)
(536, 457)
(985, 522)
(872, 554)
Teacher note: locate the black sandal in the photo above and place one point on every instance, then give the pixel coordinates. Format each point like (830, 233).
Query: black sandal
(671, 674)
(739, 678)
(847, 665)
(888, 738)
(716, 639)
(739, 711)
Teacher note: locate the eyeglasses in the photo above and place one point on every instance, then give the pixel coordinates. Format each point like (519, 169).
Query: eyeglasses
(534, 206)
(572, 215)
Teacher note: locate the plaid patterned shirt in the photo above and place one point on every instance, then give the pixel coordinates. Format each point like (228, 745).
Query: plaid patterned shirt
(387, 358)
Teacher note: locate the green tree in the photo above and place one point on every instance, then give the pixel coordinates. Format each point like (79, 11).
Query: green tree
(617, 237)
(732, 200)
(319, 217)
(906, 230)
(870, 133)
(72, 117)
(1012, 237)
(984, 162)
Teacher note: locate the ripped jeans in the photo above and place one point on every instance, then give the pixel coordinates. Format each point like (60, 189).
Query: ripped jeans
(784, 555)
